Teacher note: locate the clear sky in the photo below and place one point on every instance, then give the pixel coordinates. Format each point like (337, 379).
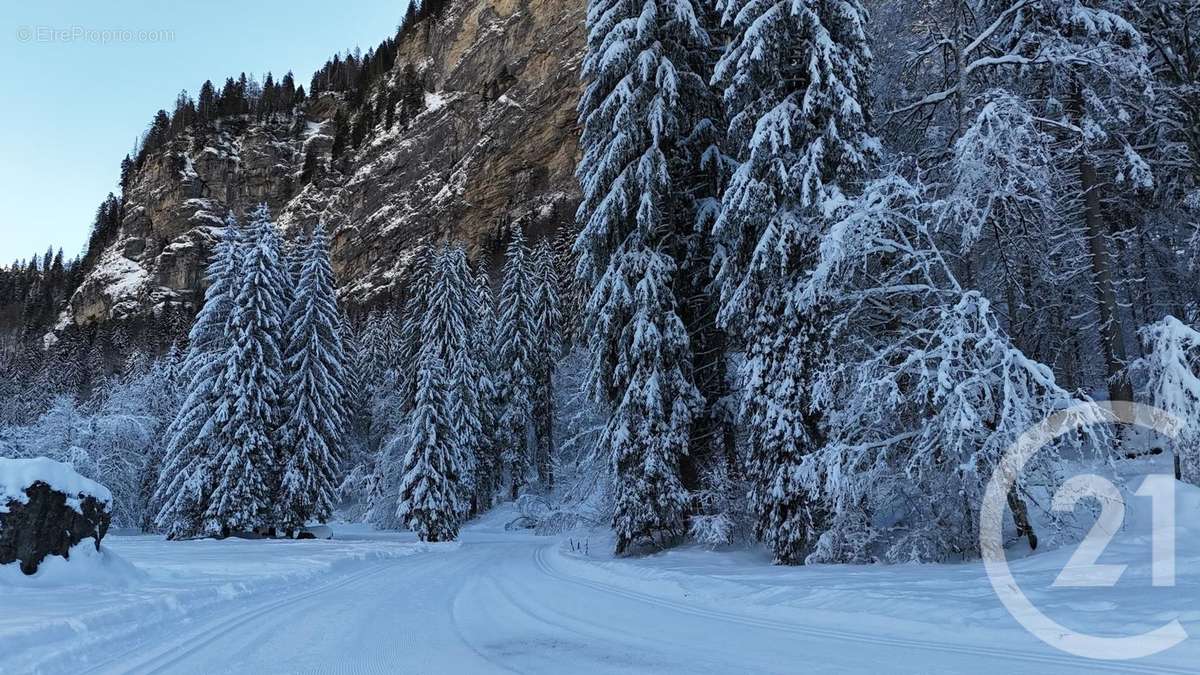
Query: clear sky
(74, 98)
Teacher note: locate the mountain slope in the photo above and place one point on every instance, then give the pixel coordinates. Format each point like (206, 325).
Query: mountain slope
(496, 143)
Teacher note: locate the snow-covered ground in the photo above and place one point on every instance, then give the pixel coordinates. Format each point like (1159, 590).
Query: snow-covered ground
(512, 602)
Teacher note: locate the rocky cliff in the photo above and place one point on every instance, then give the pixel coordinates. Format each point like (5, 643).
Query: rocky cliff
(495, 143)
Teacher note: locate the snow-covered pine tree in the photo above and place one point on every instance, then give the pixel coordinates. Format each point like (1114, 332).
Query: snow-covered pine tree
(209, 333)
(245, 460)
(316, 418)
(572, 295)
(443, 430)
(487, 474)
(409, 340)
(548, 317)
(381, 345)
(186, 477)
(795, 78)
(448, 330)
(708, 169)
(358, 465)
(430, 484)
(646, 72)
(516, 334)
(297, 256)
(356, 387)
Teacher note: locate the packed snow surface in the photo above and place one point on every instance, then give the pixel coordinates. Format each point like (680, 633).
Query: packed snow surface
(18, 474)
(502, 601)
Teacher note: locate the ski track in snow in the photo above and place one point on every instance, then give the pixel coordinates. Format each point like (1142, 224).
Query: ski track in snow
(505, 602)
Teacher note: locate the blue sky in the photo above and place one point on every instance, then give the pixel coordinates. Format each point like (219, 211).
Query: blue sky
(71, 104)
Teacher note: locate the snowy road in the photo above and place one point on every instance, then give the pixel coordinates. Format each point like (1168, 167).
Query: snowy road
(504, 602)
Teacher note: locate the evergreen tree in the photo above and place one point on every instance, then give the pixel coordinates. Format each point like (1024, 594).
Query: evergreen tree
(312, 435)
(548, 321)
(409, 337)
(646, 67)
(448, 329)
(341, 136)
(430, 497)
(206, 105)
(186, 478)
(312, 165)
(246, 460)
(516, 336)
(444, 429)
(487, 474)
(795, 78)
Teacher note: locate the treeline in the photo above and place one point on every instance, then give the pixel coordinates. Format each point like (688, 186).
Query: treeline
(240, 96)
(32, 292)
(457, 381)
(352, 75)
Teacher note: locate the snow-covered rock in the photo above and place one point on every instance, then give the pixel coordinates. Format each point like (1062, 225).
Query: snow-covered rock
(46, 508)
(316, 532)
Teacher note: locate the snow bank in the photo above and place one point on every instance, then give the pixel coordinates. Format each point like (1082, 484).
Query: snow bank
(18, 474)
(87, 567)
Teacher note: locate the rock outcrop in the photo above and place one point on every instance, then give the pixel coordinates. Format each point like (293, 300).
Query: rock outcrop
(46, 509)
(496, 143)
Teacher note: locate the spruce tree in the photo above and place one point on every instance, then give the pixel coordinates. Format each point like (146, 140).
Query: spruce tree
(409, 337)
(447, 330)
(487, 474)
(795, 80)
(430, 502)
(312, 435)
(645, 97)
(548, 321)
(435, 487)
(187, 477)
(246, 459)
(516, 335)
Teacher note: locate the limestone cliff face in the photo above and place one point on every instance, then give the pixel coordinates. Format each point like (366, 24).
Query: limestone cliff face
(495, 144)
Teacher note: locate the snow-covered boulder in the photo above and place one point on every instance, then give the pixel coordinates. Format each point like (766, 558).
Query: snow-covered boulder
(45, 509)
(315, 532)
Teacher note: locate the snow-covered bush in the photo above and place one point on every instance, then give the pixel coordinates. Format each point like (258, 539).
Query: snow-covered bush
(723, 516)
(1170, 373)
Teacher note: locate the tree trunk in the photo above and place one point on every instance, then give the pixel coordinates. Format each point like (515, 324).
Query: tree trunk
(1021, 518)
(1111, 339)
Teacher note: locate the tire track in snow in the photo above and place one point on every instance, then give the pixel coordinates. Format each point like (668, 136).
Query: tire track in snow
(540, 559)
(192, 641)
(542, 638)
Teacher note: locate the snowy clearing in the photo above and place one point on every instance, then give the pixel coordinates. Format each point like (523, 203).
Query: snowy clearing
(513, 602)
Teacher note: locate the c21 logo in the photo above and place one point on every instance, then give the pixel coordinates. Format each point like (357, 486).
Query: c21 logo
(1083, 569)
